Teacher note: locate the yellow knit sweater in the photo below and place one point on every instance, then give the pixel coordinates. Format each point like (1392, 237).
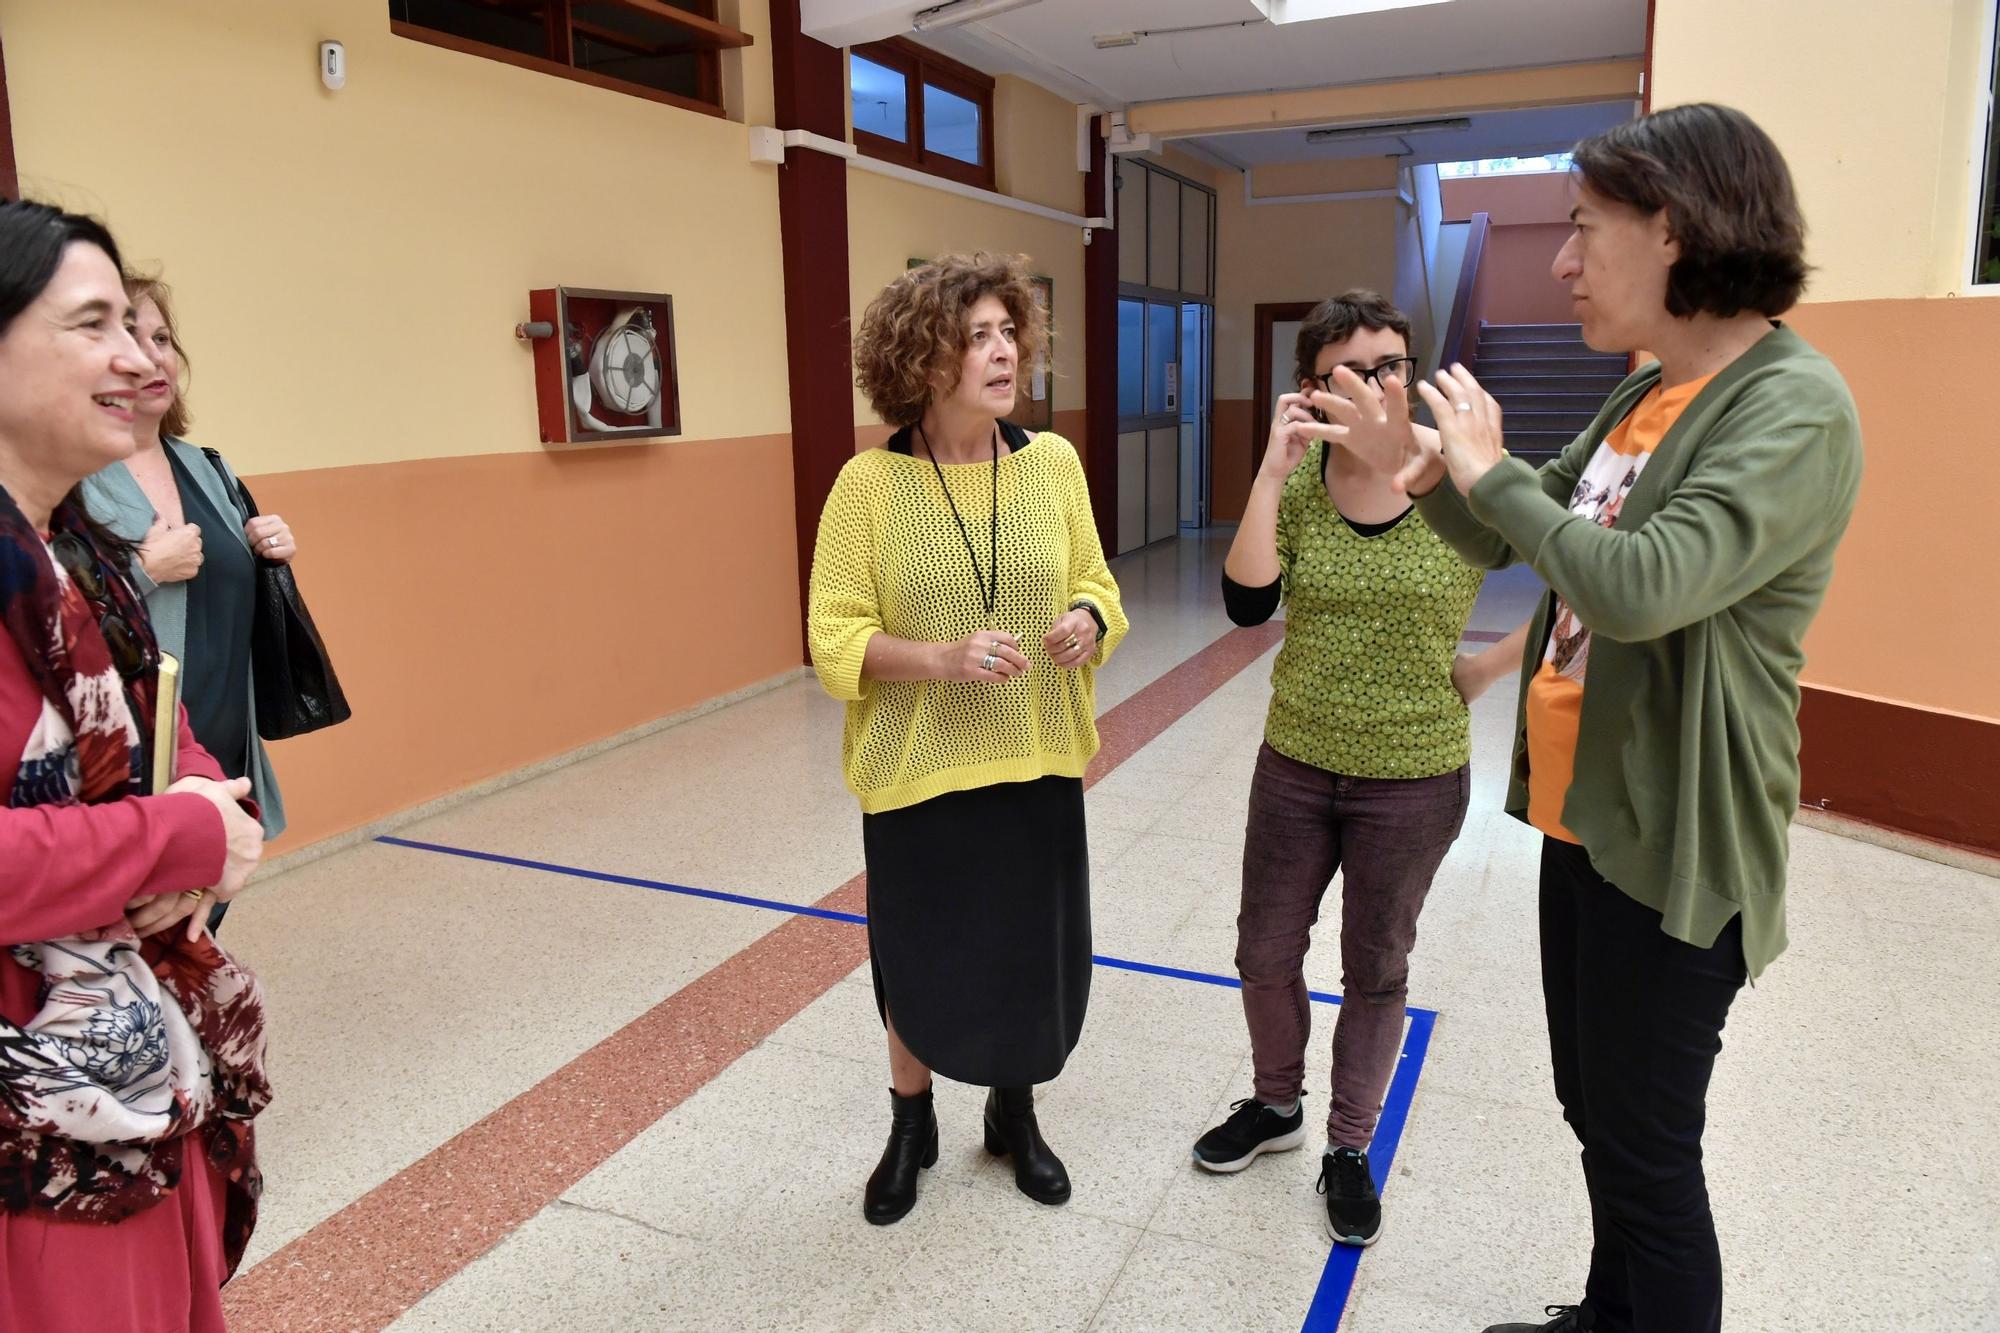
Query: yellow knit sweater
(890, 560)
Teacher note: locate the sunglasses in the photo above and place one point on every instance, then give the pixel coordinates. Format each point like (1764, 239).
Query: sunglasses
(128, 653)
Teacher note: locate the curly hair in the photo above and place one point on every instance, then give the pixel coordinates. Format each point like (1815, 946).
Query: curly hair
(140, 288)
(913, 338)
(1728, 198)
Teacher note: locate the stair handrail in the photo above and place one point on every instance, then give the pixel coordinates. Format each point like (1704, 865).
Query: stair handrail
(1455, 341)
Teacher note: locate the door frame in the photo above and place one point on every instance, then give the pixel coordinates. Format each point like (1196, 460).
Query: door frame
(1205, 428)
(1274, 312)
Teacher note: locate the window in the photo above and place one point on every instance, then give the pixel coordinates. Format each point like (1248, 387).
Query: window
(1506, 166)
(1986, 252)
(915, 107)
(881, 99)
(665, 50)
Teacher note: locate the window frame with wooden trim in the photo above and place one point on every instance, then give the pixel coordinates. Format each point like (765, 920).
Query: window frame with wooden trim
(702, 36)
(923, 68)
(1984, 265)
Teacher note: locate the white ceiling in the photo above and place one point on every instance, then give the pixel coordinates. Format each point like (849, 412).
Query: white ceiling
(1049, 42)
(1554, 129)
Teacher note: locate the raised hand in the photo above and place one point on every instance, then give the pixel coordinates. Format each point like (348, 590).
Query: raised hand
(1370, 423)
(1289, 438)
(1469, 426)
(171, 555)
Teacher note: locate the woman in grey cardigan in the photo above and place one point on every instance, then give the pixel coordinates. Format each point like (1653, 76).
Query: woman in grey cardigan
(195, 559)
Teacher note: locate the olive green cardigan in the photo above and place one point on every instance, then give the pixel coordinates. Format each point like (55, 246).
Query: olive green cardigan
(1697, 599)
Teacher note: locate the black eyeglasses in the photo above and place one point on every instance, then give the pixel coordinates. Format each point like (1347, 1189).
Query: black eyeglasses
(128, 653)
(1404, 368)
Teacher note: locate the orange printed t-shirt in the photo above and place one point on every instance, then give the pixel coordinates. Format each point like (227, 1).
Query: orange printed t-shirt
(1555, 694)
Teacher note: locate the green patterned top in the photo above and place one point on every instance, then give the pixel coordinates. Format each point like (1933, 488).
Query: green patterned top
(1362, 686)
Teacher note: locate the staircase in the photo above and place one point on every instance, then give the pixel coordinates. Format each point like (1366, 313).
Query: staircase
(1548, 382)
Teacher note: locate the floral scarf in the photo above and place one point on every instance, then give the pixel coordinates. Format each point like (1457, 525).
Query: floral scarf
(138, 1043)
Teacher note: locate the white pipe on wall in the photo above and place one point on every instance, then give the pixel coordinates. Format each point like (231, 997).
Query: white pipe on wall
(820, 143)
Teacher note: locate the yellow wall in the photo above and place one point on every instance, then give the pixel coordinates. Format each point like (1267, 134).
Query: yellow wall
(1034, 150)
(1275, 253)
(1875, 113)
(1290, 252)
(1878, 133)
(1549, 85)
(351, 265)
(890, 222)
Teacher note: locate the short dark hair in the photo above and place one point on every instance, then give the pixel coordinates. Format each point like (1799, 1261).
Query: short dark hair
(1729, 201)
(1336, 320)
(33, 240)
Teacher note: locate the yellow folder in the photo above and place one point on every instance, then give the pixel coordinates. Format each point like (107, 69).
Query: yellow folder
(166, 723)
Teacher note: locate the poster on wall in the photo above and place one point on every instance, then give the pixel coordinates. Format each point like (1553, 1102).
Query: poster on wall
(1035, 410)
(1034, 397)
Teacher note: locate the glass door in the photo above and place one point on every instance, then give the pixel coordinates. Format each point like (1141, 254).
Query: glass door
(1166, 274)
(1197, 333)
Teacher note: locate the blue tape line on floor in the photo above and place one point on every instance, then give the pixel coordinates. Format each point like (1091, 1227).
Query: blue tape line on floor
(1183, 974)
(1336, 1281)
(634, 881)
(775, 905)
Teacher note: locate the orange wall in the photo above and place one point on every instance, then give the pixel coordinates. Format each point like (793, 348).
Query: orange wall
(1530, 221)
(489, 612)
(1516, 285)
(1911, 614)
(1509, 201)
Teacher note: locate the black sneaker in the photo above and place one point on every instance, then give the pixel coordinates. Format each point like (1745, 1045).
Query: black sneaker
(1252, 1128)
(1353, 1212)
(1568, 1319)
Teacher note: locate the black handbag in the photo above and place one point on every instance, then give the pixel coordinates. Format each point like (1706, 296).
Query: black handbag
(291, 676)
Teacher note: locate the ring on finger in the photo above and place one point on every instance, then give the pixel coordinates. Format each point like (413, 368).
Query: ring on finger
(986, 663)
(1463, 406)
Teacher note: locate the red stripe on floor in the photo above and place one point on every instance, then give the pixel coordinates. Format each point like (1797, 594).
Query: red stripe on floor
(381, 1254)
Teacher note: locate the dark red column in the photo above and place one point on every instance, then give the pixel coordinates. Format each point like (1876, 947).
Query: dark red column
(10, 181)
(812, 221)
(1100, 345)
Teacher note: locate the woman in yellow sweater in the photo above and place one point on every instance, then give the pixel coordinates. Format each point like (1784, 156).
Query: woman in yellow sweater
(960, 604)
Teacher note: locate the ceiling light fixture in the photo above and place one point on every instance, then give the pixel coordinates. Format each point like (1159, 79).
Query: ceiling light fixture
(950, 15)
(1389, 130)
(1307, 11)
(1104, 41)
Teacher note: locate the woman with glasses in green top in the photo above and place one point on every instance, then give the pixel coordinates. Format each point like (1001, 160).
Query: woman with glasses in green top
(1364, 767)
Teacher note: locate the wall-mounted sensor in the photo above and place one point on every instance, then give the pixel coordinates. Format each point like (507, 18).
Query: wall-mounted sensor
(333, 65)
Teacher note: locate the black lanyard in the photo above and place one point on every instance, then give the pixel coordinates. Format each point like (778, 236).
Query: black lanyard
(989, 583)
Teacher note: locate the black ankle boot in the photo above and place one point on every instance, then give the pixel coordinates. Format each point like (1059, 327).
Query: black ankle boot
(1011, 1129)
(913, 1143)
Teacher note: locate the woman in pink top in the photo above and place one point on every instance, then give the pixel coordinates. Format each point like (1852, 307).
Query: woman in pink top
(131, 1047)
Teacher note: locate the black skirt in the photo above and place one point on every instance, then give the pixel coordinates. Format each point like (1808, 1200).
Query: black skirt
(979, 928)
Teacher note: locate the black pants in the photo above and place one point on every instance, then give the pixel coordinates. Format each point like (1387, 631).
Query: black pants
(1635, 1024)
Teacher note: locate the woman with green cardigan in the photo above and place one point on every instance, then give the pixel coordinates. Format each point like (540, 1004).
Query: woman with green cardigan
(1687, 538)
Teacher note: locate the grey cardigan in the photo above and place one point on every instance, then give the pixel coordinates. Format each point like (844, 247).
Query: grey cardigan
(115, 500)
